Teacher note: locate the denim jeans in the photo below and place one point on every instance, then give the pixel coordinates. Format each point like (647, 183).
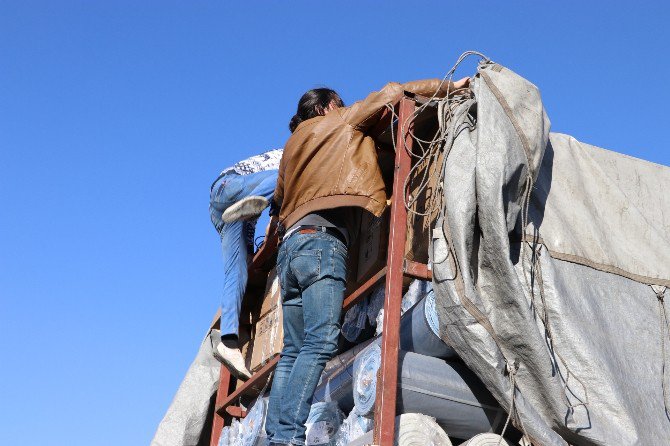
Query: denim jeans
(312, 275)
(227, 190)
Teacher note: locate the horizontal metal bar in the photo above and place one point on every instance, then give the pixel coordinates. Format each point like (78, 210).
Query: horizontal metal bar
(417, 270)
(359, 293)
(236, 411)
(254, 384)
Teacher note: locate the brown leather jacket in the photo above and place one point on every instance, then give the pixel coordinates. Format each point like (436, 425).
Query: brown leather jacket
(330, 161)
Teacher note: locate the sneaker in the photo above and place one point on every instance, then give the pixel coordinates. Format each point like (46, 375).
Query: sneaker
(233, 360)
(245, 209)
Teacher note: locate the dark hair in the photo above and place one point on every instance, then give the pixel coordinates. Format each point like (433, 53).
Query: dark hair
(313, 103)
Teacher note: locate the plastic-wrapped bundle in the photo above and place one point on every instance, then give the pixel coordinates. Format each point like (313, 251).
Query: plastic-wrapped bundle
(486, 440)
(342, 360)
(353, 427)
(450, 392)
(354, 320)
(419, 330)
(252, 427)
(376, 302)
(323, 424)
(337, 379)
(414, 429)
(229, 434)
(417, 290)
(366, 365)
(224, 438)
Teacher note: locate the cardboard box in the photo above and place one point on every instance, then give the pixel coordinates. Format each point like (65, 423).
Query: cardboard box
(272, 296)
(267, 336)
(373, 244)
(268, 339)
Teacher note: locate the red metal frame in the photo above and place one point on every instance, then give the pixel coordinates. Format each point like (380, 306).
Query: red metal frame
(219, 420)
(396, 268)
(387, 382)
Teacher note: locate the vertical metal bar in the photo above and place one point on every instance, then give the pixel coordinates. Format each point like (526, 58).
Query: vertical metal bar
(385, 403)
(221, 395)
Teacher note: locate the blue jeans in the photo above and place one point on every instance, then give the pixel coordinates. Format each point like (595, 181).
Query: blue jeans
(236, 237)
(312, 274)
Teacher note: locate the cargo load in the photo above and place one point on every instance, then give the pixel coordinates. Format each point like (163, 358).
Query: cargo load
(551, 265)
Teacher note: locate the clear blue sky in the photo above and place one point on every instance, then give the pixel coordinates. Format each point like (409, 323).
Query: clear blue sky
(115, 117)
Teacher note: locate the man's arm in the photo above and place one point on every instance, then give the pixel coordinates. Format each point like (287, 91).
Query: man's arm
(278, 197)
(366, 113)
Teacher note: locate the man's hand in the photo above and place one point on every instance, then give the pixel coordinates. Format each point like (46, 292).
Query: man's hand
(459, 85)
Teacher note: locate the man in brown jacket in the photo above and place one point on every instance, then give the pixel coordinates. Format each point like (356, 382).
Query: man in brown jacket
(328, 169)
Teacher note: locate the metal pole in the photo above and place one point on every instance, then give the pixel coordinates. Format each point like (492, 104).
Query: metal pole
(385, 403)
(221, 394)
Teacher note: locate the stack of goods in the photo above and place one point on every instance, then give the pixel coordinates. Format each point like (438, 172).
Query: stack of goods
(249, 432)
(268, 333)
(436, 392)
(354, 427)
(252, 427)
(432, 381)
(414, 429)
(323, 424)
(445, 390)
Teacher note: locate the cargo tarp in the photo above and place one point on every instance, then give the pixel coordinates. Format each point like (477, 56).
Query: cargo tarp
(570, 314)
(189, 417)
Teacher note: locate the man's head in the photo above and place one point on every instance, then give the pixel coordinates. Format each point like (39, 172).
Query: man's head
(316, 102)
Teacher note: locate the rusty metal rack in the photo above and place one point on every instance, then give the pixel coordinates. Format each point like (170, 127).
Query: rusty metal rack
(396, 269)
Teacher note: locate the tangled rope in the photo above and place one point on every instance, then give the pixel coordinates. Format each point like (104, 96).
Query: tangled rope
(430, 151)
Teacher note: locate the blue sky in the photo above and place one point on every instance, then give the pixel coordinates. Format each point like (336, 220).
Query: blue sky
(115, 117)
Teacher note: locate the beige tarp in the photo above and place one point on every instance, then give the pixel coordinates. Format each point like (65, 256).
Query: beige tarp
(605, 210)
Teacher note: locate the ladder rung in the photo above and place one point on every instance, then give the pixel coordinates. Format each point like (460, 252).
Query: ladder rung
(255, 383)
(236, 411)
(417, 270)
(359, 293)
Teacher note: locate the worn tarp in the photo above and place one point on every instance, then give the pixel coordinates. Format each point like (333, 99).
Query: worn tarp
(572, 318)
(188, 420)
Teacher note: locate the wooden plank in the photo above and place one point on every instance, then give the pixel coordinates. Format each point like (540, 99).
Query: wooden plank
(385, 403)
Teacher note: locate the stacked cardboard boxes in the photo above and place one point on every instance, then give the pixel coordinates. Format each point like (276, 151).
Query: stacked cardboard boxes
(268, 332)
(373, 244)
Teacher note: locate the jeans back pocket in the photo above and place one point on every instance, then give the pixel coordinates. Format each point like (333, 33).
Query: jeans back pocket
(305, 266)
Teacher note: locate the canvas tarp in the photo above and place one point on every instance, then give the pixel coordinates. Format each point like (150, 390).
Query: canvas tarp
(188, 420)
(572, 319)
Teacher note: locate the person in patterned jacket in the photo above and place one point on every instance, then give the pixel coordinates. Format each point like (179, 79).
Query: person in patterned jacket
(237, 198)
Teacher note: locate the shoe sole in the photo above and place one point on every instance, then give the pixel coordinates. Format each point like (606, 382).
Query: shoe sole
(245, 209)
(233, 371)
(231, 368)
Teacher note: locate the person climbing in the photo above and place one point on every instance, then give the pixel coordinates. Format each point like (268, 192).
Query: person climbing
(237, 197)
(329, 169)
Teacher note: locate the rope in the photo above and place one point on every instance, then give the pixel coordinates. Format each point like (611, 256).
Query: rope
(660, 295)
(512, 368)
(431, 150)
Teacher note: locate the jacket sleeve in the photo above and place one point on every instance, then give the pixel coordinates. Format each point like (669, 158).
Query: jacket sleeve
(278, 197)
(366, 113)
